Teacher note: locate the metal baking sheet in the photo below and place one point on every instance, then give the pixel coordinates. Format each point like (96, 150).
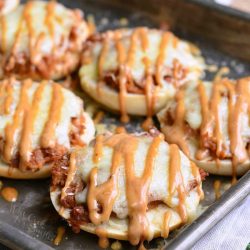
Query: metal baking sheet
(31, 222)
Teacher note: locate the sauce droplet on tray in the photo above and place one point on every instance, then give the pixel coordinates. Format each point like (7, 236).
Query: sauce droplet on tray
(10, 194)
(217, 187)
(59, 236)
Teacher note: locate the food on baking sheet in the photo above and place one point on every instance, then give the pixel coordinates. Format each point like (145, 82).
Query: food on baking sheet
(41, 40)
(40, 122)
(7, 6)
(135, 71)
(126, 186)
(210, 123)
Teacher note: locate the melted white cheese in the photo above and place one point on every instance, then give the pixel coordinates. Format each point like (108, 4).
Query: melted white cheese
(159, 185)
(72, 107)
(89, 71)
(193, 115)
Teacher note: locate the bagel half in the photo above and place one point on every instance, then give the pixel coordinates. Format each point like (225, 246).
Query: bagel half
(7, 6)
(126, 186)
(135, 71)
(40, 122)
(210, 123)
(41, 40)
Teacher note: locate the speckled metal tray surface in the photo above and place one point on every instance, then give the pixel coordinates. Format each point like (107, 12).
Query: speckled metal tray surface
(31, 222)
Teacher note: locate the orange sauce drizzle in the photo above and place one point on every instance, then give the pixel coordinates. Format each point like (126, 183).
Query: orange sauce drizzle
(175, 133)
(121, 58)
(237, 98)
(132, 48)
(176, 180)
(27, 18)
(2, 88)
(28, 125)
(12, 129)
(121, 54)
(216, 97)
(59, 235)
(10, 194)
(210, 115)
(97, 196)
(49, 17)
(238, 104)
(141, 246)
(104, 195)
(150, 95)
(126, 61)
(98, 150)
(101, 60)
(48, 136)
(49, 23)
(24, 117)
(136, 190)
(122, 94)
(2, 95)
(238, 149)
(161, 56)
(205, 116)
(103, 239)
(166, 221)
(6, 92)
(9, 98)
(102, 57)
(238, 95)
(91, 24)
(28, 21)
(101, 197)
(217, 186)
(123, 75)
(196, 174)
(3, 34)
(17, 34)
(34, 38)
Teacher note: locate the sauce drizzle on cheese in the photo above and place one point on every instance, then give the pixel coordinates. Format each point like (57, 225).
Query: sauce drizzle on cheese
(98, 149)
(176, 182)
(20, 131)
(59, 235)
(161, 57)
(217, 187)
(101, 196)
(12, 129)
(28, 125)
(125, 61)
(6, 92)
(175, 133)
(24, 53)
(166, 221)
(48, 136)
(210, 135)
(2, 35)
